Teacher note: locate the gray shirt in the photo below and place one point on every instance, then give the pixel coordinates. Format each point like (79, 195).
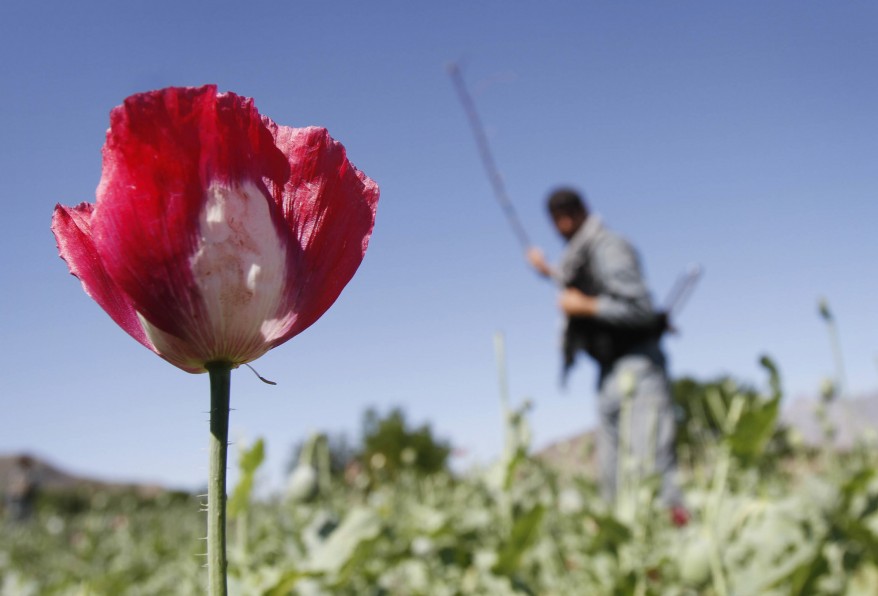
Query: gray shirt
(603, 264)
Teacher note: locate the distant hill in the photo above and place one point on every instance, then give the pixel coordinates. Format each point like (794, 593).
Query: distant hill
(52, 478)
(854, 419)
(572, 456)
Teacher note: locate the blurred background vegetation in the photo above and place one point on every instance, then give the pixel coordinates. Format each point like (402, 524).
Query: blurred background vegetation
(771, 513)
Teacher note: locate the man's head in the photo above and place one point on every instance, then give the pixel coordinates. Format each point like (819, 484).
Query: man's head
(568, 211)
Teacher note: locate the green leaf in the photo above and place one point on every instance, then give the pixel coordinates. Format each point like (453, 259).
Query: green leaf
(360, 525)
(285, 585)
(773, 376)
(524, 533)
(754, 430)
(612, 534)
(856, 484)
(757, 425)
(248, 463)
(804, 579)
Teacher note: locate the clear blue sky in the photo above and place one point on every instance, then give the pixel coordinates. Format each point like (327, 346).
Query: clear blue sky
(741, 135)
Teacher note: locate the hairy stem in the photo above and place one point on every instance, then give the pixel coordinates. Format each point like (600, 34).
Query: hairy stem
(220, 385)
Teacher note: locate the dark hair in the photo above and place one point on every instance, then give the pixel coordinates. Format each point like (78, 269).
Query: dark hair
(566, 201)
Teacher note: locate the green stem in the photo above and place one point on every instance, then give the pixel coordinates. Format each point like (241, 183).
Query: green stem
(220, 385)
(837, 355)
(718, 490)
(625, 481)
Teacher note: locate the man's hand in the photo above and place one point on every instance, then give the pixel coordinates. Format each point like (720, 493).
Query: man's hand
(537, 260)
(574, 303)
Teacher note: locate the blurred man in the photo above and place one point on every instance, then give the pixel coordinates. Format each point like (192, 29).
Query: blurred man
(610, 316)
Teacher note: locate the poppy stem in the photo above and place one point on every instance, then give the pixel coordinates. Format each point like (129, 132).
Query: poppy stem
(220, 391)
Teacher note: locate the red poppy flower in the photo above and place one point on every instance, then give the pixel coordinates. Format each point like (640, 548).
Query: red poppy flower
(216, 234)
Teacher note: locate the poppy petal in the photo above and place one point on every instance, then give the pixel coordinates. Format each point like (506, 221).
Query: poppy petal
(216, 235)
(239, 269)
(329, 206)
(176, 162)
(73, 232)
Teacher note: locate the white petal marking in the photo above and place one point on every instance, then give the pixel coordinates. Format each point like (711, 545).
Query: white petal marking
(239, 268)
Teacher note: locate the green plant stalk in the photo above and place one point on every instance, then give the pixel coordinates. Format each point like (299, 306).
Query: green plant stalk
(718, 490)
(648, 498)
(306, 456)
(626, 497)
(716, 567)
(828, 431)
(643, 500)
(841, 389)
(723, 465)
(220, 391)
(510, 442)
(717, 409)
(324, 466)
(713, 504)
(242, 527)
(835, 344)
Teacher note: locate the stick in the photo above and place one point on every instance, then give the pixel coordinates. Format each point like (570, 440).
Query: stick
(487, 158)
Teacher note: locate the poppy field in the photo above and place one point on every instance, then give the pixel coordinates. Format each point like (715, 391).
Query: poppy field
(216, 236)
(769, 515)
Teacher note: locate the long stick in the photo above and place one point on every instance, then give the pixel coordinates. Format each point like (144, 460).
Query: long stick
(487, 157)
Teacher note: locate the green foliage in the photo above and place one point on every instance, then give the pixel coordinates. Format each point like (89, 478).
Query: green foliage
(116, 546)
(67, 501)
(703, 414)
(248, 462)
(702, 405)
(758, 423)
(341, 453)
(517, 527)
(77, 500)
(815, 534)
(525, 532)
(389, 445)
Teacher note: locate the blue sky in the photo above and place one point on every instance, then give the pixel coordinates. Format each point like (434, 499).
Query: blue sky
(742, 136)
